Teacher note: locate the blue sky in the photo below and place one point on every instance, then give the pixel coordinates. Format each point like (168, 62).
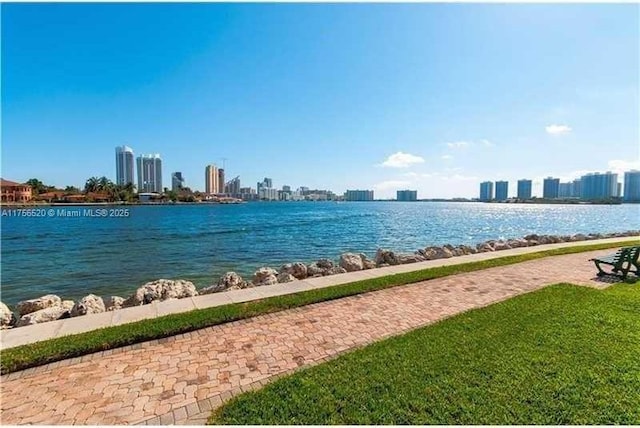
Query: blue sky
(434, 97)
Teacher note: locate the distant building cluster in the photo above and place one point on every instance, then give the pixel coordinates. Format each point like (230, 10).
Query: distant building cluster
(149, 170)
(590, 187)
(358, 195)
(149, 182)
(407, 195)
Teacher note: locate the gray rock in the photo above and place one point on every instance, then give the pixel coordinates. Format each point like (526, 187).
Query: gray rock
(466, 250)
(457, 252)
(351, 262)
(334, 271)
(50, 313)
(228, 281)
(90, 304)
(298, 270)
(434, 253)
(366, 262)
(325, 264)
(387, 257)
(28, 306)
(485, 247)
(265, 276)
(404, 259)
(518, 243)
(113, 303)
(501, 245)
(68, 305)
(285, 277)
(161, 289)
(7, 317)
(313, 270)
(323, 267)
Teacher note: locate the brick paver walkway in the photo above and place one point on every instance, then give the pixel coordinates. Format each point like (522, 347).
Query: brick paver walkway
(178, 380)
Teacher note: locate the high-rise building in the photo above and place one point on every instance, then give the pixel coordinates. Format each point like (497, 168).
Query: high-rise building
(267, 183)
(211, 185)
(220, 180)
(124, 165)
(233, 187)
(149, 173)
(599, 186)
(407, 195)
(550, 188)
(576, 188)
(177, 181)
(286, 188)
(524, 189)
(486, 191)
(268, 194)
(358, 195)
(631, 186)
(564, 190)
(502, 190)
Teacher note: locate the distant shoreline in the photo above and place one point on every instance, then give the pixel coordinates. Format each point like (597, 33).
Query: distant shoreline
(101, 204)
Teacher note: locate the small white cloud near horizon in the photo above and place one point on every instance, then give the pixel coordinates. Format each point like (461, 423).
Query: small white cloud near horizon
(402, 160)
(488, 143)
(459, 144)
(557, 129)
(460, 177)
(446, 157)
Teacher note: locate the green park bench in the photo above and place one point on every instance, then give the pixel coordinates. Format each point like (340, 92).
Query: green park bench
(622, 262)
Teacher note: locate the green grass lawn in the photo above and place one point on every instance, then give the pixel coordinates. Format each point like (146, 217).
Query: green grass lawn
(39, 353)
(561, 355)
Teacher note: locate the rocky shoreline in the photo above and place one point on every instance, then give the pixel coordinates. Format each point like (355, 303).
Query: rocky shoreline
(52, 307)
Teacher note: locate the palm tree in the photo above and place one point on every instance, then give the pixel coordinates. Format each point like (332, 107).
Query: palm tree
(71, 189)
(105, 185)
(92, 185)
(37, 186)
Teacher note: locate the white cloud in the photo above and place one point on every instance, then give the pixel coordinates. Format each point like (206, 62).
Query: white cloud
(446, 157)
(558, 129)
(459, 144)
(402, 160)
(487, 143)
(391, 184)
(460, 177)
(622, 166)
(467, 144)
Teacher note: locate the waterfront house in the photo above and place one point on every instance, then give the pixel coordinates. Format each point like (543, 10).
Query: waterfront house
(15, 192)
(50, 196)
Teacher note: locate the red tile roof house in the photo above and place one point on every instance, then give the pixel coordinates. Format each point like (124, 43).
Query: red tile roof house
(14, 192)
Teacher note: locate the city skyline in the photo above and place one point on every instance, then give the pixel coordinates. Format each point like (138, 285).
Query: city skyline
(520, 91)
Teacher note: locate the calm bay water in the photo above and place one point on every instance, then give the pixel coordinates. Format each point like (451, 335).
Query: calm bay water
(75, 256)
